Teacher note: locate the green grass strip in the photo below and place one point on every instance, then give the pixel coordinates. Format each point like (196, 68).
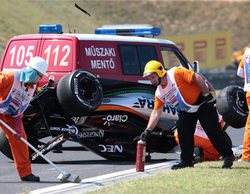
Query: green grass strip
(206, 177)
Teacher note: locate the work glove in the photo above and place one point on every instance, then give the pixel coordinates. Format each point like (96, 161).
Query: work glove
(18, 127)
(209, 100)
(145, 134)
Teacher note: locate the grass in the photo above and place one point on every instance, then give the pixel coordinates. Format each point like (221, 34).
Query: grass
(207, 177)
(24, 17)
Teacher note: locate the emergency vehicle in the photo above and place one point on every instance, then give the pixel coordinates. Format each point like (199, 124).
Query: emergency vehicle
(104, 53)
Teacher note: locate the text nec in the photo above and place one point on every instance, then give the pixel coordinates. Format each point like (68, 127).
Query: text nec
(111, 148)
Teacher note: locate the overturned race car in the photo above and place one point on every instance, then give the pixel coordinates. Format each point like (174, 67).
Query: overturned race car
(96, 95)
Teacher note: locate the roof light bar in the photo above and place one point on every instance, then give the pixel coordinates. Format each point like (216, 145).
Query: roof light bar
(50, 29)
(129, 30)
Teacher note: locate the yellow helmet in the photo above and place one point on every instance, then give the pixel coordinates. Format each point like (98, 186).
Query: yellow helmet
(154, 66)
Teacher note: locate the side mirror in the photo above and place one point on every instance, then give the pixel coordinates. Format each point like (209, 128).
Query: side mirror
(196, 66)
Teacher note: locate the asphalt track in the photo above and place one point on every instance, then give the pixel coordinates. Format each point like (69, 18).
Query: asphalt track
(94, 171)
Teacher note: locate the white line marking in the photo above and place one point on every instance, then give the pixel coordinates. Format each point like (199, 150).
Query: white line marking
(97, 180)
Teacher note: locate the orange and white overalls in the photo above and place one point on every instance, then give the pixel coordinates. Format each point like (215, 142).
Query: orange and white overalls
(14, 99)
(201, 140)
(244, 71)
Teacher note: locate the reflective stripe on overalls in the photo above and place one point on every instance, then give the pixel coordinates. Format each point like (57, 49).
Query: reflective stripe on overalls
(18, 98)
(247, 75)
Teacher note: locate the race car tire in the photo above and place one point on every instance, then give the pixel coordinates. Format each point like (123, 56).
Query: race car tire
(4, 145)
(231, 104)
(79, 93)
(6, 150)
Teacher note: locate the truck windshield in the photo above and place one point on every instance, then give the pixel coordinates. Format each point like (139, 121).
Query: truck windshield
(172, 57)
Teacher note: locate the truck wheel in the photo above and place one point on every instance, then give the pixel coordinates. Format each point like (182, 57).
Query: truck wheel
(79, 93)
(4, 145)
(232, 105)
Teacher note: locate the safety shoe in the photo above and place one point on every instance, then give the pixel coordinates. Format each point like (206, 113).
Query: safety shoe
(198, 154)
(241, 160)
(182, 164)
(228, 161)
(31, 177)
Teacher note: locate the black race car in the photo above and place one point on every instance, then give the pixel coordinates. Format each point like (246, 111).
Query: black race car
(107, 116)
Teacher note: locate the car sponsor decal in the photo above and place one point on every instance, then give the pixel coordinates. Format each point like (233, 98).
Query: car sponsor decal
(118, 118)
(125, 109)
(143, 102)
(119, 108)
(111, 148)
(70, 128)
(50, 146)
(91, 134)
(149, 103)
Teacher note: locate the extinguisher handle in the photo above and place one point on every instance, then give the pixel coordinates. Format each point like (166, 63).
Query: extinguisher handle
(145, 134)
(141, 141)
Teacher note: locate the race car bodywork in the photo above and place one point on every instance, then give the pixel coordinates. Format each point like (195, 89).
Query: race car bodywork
(112, 130)
(98, 96)
(115, 115)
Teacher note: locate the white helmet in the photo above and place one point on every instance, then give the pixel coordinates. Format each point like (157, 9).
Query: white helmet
(38, 64)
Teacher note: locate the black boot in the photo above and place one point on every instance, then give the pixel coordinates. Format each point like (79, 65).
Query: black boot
(198, 154)
(183, 164)
(31, 177)
(228, 161)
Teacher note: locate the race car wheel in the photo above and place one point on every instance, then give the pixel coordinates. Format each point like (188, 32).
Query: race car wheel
(4, 145)
(79, 93)
(231, 104)
(6, 150)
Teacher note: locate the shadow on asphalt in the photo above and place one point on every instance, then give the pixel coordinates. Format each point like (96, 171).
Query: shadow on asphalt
(104, 161)
(108, 162)
(26, 182)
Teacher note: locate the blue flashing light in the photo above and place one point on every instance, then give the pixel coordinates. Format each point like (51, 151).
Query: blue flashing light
(50, 29)
(129, 30)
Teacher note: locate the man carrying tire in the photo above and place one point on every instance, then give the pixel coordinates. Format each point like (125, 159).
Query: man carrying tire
(187, 91)
(244, 72)
(17, 89)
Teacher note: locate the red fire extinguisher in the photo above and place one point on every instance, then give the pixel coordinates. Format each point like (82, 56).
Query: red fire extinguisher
(140, 156)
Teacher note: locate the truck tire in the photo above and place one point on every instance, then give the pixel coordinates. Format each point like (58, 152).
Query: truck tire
(4, 145)
(79, 93)
(231, 104)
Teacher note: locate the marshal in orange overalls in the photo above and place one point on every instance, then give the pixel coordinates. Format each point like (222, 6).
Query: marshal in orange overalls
(244, 72)
(19, 149)
(191, 92)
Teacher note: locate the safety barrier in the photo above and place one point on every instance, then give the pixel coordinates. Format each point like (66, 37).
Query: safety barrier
(222, 79)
